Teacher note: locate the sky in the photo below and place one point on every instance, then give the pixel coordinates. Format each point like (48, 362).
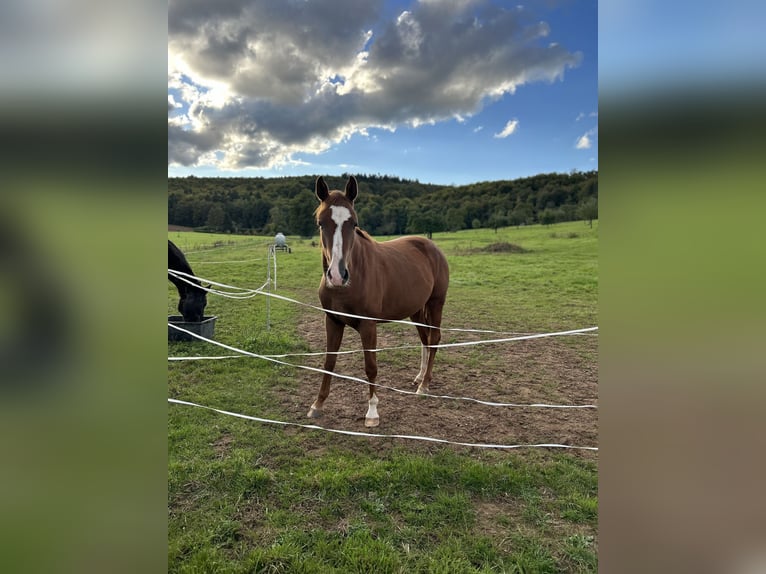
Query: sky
(441, 91)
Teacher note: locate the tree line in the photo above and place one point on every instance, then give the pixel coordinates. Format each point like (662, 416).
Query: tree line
(386, 205)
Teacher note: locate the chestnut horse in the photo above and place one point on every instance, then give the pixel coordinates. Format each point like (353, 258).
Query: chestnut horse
(391, 280)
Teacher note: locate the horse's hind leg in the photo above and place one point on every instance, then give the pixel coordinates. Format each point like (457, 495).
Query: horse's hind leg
(334, 332)
(434, 317)
(423, 360)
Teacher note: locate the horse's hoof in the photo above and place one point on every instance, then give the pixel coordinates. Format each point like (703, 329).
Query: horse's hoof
(314, 413)
(372, 422)
(421, 390)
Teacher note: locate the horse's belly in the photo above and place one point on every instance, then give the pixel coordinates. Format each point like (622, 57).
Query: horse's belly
(404, 300)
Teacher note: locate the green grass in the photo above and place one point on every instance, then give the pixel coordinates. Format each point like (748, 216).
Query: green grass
(246, 497)
(192, 243)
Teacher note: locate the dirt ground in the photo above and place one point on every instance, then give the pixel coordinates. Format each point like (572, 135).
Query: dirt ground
(549, 370)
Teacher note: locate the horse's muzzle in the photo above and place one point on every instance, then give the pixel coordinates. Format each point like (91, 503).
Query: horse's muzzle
(339, 278)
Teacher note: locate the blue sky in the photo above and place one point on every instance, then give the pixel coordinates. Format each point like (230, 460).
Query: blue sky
(447, 91)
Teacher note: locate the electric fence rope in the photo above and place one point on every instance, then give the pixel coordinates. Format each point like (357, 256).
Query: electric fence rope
(364, 382)
(247, 293)
(408, 347)
(374, 435)
(225, 262)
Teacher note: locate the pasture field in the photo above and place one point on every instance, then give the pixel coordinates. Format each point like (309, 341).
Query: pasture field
(190, 242)
(245, 496)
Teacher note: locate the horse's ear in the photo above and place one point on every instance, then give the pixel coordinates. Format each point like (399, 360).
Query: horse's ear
(352, 189)
(322, 191)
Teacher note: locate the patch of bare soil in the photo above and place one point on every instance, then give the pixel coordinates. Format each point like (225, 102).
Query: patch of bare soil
(554, 370)
(503, 247)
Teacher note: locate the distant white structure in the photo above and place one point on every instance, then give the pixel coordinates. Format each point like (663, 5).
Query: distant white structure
(280, 243)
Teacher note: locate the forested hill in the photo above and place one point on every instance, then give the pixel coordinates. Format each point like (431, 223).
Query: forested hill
(386, 205)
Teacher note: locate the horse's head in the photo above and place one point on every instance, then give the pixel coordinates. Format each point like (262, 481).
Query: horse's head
(337, 220)
(192, 305)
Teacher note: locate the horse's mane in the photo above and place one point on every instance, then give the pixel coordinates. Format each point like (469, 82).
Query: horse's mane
(363, 234)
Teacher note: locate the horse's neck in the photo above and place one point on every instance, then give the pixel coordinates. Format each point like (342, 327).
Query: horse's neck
(177, 262)
(362, 252)
(183, 285)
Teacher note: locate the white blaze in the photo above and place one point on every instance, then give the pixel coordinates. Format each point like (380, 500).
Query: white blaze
(339, 215)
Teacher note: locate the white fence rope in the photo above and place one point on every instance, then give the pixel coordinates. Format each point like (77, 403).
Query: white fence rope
(225, 262)
(234, 245)
(242, 293)
(364, 382)
(252, 292)
(390, 436)
(210, 358)
(410, 347)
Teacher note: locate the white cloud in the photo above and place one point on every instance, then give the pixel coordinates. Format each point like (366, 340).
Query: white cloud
(477, 129)
(585, 141)
(263, 81)
(509, 128)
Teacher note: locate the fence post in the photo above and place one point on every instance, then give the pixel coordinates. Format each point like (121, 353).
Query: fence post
(268, 286)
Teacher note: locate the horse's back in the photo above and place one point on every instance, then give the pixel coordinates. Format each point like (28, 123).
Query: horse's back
(423, 258)
(417, 247)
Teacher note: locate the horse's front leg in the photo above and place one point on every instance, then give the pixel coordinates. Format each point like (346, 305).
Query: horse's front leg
(334, 332)
(369, 332)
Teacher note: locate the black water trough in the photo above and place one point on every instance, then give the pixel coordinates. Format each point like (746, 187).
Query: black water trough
(205, 328)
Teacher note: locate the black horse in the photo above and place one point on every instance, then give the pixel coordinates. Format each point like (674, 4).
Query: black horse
(193, 299)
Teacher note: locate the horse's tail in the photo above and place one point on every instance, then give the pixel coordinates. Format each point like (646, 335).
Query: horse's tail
(432, 310)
